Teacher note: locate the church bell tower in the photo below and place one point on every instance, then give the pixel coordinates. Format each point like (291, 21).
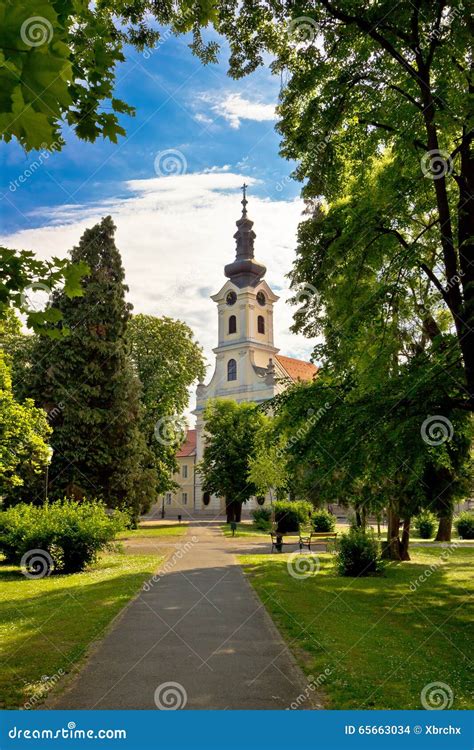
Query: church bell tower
(245, 352)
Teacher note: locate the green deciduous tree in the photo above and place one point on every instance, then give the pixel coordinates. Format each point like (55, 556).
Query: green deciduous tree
(268, 469)
(22, 275)
(17, 347)
(24, 451)
(168, 361)
(86, 383)
(58, 62)
(375, 448)
(361, 82)
(231, 431)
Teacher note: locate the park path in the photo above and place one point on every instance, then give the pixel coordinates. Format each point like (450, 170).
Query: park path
(199, 626)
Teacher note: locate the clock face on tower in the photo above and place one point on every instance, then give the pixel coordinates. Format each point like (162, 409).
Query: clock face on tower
(231, 298)
(261, 299)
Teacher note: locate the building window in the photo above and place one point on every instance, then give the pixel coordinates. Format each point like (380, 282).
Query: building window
(231, 369)
(184, 471)
(261, 324)
(184, 498)
(232, 324)
(168, 498)
(206, 498)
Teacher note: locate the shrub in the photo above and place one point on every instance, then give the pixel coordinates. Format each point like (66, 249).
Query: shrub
(16, 524)
(71, 533)
(290, 514)
(425, 524)
(262, 518)
(323, 520)
(465, 525)
(357, 553)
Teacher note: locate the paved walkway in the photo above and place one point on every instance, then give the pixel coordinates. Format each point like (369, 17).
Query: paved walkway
(200, 626)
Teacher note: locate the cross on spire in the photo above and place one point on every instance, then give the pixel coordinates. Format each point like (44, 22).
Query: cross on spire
(244, 199)
(245, 270)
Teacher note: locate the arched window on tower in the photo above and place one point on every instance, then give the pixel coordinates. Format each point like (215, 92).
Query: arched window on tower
(231, 369)
(232, 324)
(261, 324)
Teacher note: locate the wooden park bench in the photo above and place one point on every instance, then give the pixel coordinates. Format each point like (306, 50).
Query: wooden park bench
(302, 539)
(307, 538)
(280, 540)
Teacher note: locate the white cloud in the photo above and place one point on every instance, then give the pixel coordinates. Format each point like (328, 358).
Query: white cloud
(234, 108)
(203, 119)
(175, 235)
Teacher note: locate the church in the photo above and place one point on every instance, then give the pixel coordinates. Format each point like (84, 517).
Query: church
(248, 367)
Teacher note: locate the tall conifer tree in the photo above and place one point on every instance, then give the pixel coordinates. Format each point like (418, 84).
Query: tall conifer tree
(87, 384)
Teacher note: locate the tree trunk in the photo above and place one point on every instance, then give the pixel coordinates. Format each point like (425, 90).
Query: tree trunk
(229, 509)
(405, 539)
(233, 509)
(444, 529)
(391, 548)
(465, 183)
(461, 310)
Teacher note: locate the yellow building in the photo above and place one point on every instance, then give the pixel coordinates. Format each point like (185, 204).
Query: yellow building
(184, 500)
(248, 366)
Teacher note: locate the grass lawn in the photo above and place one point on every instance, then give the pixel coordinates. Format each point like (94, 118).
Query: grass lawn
(246, 528)
(378, 638)
(149, 531)
(46, 625)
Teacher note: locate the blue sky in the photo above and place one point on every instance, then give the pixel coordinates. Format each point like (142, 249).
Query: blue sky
(174, 228)
(180, 104)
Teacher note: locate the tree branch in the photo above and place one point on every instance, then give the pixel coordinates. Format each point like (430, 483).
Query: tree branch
(437, 283)
(370, 29)
(391, 129)
(407, 96)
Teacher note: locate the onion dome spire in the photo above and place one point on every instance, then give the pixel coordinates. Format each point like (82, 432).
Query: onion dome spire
(245, 270)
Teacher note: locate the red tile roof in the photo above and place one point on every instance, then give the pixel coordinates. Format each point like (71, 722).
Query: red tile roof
(188, 448)
(297, 369)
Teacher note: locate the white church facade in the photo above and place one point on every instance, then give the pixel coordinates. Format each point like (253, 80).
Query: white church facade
(248, 366)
